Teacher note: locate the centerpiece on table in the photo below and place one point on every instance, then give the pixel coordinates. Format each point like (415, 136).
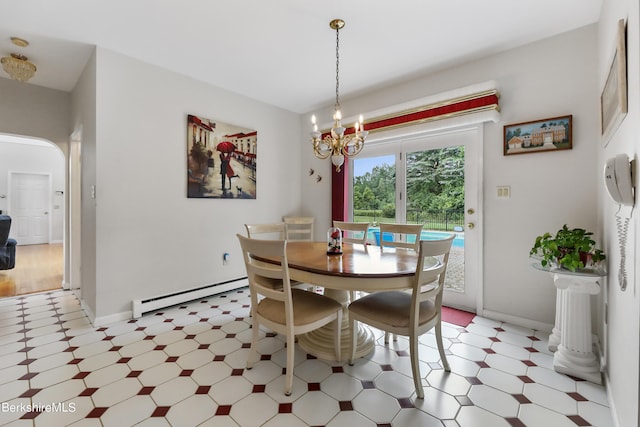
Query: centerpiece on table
(572, 249)
(334, 241)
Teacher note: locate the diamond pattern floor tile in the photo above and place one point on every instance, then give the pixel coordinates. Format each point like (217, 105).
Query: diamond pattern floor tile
(185, 365)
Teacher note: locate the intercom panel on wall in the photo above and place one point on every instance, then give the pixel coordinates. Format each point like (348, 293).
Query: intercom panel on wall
(618, 179)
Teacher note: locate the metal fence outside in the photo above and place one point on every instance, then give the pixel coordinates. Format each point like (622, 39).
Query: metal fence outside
(444, 220)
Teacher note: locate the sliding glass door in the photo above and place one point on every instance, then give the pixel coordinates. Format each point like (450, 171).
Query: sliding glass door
(432, 180)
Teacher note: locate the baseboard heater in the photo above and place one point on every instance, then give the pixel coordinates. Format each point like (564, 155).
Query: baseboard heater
(141, 306)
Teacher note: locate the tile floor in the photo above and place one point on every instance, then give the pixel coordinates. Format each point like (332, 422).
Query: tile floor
(184, 366)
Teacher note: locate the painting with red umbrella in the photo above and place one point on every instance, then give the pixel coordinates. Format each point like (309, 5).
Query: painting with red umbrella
(221, 160)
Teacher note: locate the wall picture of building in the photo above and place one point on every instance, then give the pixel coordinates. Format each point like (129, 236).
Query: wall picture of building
(539, 135)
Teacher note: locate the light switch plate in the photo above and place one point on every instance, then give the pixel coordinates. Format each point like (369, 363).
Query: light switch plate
(504, 192)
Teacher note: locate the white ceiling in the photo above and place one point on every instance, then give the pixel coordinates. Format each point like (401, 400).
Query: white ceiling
(281, 52)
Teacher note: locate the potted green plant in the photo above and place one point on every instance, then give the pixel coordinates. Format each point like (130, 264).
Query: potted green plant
(573, 249)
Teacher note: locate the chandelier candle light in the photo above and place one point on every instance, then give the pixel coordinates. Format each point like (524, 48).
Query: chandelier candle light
(338, 143)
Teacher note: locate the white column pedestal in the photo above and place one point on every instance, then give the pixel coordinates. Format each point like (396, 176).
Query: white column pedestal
(574, 354)
(556, 332)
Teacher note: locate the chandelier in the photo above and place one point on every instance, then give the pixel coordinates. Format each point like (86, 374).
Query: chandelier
(339, 142)
(18, 66)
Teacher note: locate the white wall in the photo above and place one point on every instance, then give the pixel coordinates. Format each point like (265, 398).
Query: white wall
(623, 330)
(42, 159)
(553, 77)
(30, 110)
(150, 238)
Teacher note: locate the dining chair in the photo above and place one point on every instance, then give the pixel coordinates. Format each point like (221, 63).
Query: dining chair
(298, 227)
(403, 235)
(410, 314)
(270, 231)
(275, 305)
(273, 231)
(406, 236)
(353, 232)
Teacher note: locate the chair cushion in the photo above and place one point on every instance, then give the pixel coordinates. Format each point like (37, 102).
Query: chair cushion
(307, 307)
(392, 308)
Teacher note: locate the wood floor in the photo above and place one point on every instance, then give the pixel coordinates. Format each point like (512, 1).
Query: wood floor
(38, 268)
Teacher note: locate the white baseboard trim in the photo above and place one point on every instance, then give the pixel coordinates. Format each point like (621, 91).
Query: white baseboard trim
(612, 404)
(103, 320)
(519, 321)
(87, 310)
(187, 296)
(112, 318)
(141, 306)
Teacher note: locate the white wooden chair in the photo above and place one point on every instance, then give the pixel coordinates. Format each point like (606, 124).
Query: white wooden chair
(353, 232)
(273, 231)
(298, 227)
(404, 235)
(278, 307)
(410, 314)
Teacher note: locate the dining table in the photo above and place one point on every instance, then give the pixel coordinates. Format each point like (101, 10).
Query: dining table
(359, 267)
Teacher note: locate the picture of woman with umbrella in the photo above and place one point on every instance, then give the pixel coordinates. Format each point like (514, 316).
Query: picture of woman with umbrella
(226, 148)
(236, 147)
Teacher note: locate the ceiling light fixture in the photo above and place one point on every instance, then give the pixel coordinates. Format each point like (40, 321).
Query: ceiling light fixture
(340, 142)
(18, 66)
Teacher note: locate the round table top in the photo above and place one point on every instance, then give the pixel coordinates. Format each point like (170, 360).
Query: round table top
(356, 260)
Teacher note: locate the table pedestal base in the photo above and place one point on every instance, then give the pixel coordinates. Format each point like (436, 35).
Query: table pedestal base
(320, 343)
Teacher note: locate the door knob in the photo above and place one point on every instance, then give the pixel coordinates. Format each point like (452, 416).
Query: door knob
(471, 211)
(471, 226)
(46, 213)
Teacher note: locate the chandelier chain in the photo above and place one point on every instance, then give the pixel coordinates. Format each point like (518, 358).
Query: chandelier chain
(337, 68)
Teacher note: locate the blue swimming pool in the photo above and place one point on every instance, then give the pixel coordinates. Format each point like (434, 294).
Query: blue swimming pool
(458, 241)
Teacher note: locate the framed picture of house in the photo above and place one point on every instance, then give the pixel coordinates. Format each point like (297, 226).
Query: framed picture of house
(539, 135)
(221, 160)
(613, 101)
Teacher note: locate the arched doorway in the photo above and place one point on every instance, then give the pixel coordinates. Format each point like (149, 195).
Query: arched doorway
(32, 191)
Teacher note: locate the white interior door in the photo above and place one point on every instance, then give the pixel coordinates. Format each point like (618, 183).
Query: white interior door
(30, 200)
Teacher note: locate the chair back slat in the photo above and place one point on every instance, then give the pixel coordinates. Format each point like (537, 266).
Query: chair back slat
(299, 227)
(353, 232)
(270, 231)
(409, 232)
